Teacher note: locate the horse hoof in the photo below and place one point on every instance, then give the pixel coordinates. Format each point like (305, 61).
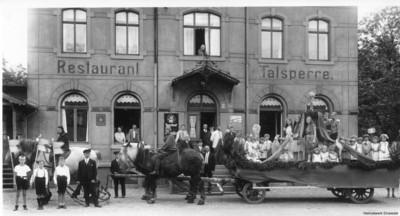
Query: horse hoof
(201, 202)
(151, 201)
(190, 201)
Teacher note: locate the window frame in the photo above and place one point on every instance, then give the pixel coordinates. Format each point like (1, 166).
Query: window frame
(75, 109)
(127, 32)
(194, 26)
(318, 33)
(74, 22)
(271, 31)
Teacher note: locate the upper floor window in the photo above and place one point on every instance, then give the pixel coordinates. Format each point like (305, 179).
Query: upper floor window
(271, 38)
(126, 33)
(74, 113)
(318, 38)
(201, 29)
(74, 24)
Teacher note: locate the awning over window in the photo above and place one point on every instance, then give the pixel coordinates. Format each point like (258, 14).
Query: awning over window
(319, 103)
(205, 71)
(127, 99)
(271, 104)
(74, 99)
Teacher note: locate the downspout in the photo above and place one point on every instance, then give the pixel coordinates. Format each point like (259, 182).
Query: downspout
(156, 76)
(246, 83)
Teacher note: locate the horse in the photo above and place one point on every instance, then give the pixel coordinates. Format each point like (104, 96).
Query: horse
(185, 160)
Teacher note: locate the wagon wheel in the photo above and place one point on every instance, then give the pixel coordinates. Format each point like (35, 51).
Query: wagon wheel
(239, 187)
(104, 195)
(339, 193)
(361, 195)
(252, 196)
(78, 200)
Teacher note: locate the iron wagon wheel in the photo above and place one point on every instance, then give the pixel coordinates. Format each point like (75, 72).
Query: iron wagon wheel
(253, 196)
(361, 195)
(78, 200)
(239, 184)
(104, 195)
(339, 193)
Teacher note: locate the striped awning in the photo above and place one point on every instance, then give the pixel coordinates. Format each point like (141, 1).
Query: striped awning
(271, 102)
(319, 102)
(127, 99)
(74, 98)
(201, 99)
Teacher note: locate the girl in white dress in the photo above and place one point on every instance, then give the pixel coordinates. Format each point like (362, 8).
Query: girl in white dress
(375, 148)
(384, 148)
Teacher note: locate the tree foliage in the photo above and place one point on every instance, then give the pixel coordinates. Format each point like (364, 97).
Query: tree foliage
(379, 72)
(14, 75)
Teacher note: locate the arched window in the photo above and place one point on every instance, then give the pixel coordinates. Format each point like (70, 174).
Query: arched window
(202, 102)
(127, 33)
(318, 39)
(127, 112)
(271, 116)
(272, 38)
(201, 28)
(322, 104)
(74, 109)
(74, 24)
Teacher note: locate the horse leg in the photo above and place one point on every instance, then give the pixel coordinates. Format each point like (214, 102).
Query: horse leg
(194, 183)
(152, 189)
(146, 183)
(202, 193)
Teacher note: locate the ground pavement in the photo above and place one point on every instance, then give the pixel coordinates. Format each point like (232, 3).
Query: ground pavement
(280, 202)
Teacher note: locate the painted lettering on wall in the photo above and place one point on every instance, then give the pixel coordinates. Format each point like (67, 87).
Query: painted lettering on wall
(94, 69)
(275, 72)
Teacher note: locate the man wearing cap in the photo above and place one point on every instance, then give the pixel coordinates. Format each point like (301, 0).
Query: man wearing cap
(133, 135)
(87, 176)
(115, 169)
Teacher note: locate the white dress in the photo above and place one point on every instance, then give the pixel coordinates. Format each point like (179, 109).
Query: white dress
(375, 151)
(384, 151)
(324, 157)
(316, 158)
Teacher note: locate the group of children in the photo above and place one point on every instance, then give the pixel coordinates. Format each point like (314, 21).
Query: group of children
(40, 178)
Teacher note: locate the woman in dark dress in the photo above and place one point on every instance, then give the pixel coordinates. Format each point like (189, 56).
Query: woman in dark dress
(63, 137)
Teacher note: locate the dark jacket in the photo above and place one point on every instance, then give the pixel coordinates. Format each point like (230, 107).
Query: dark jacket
(211, 162)
(205, 137)
(169, 145)
(64, 138)
(87, 172)
(131, 138)
(115, 167)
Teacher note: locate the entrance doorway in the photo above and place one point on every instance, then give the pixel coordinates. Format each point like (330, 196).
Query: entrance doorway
(271, 111)
(202, 109)
(126, 112)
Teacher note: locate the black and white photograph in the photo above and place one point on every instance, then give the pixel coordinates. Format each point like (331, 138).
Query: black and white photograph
(235, 108)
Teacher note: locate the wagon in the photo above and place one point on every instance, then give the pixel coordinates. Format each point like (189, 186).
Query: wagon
(345, 182)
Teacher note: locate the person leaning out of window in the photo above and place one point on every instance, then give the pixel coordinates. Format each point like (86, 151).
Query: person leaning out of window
(119, 136)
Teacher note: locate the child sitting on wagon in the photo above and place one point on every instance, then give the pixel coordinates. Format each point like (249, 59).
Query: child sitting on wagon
(366, 145)
(333, 156)
(324, 154)
(316, 156)
(384, 154)
(285, 156)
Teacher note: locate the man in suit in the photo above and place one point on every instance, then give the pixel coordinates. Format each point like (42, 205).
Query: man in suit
(115, 169)
(209, 164)
(167, 149)
(205, 135)
(87, 177)
(133, 135)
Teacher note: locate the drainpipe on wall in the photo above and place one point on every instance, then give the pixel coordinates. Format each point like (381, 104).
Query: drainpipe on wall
(246, 84)
(156, 76)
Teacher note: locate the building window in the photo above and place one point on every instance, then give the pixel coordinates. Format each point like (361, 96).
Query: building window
(272, 38)
(74, 110)
(199, 29)
(318, 38)
(74, 24)
(126, 33)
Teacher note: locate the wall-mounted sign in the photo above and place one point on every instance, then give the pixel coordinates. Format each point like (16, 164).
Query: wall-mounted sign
(171, 121)
(100, 119)
(273, 72)
(236, 121)
(64, 67)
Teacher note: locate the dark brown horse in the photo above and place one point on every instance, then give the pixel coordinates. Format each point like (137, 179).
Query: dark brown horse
(186, 161)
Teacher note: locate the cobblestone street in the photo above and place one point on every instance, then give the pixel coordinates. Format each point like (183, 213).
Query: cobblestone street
(279, 202)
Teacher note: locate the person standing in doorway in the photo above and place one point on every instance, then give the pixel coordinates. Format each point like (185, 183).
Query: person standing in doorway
(216, 138)
(115, 169)
(133, 134)
(87, 176)
(205, 135)
(119, 136)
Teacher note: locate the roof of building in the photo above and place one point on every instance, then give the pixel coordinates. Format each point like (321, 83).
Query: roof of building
(18, 101)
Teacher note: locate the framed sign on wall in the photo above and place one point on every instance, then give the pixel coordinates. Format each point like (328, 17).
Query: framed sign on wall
(100, 119)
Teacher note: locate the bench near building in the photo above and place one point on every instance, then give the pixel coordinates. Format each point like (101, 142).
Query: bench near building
(94, 69)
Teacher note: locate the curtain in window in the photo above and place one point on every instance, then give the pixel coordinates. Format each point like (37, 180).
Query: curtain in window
(189, 41)
(64, 120)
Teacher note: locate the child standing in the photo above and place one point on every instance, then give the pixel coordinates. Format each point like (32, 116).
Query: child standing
(41, 179)
(21, 178)
(61, 180)
(375, 148)
(384, 154)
